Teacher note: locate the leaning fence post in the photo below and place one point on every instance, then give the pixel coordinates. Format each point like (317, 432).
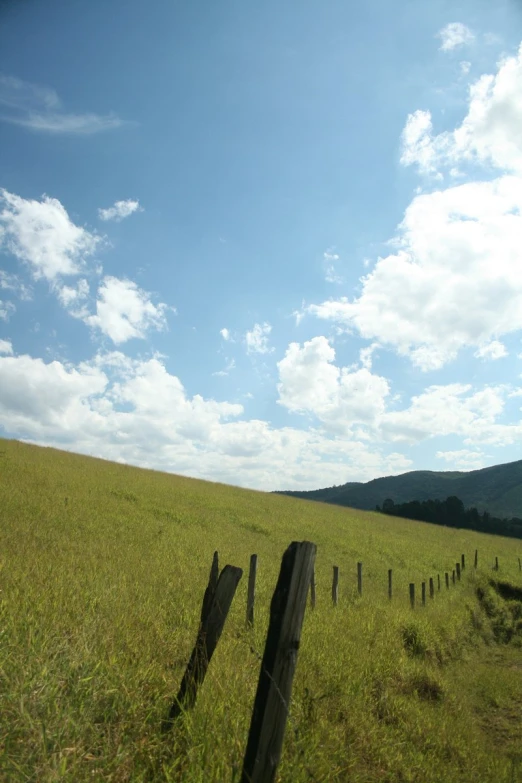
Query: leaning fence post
(457, 568)
(412, 595)
(476, 558)
(423, 589)
(432, 588)
(312, 589)
(359, 578)
(216, 604)
(251, 596)
(267, 727)
(390, 585)
(335, 585)
(447, 580)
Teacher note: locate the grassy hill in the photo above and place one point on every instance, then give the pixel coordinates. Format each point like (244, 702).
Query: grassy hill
(102, 572)
(497, 489)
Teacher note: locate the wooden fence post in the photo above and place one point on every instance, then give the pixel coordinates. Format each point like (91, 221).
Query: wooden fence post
(438, 582)
(423, 589)
(476, 558)
(335, 585)
(453, 576)
(251, 596)
(463, 562)
(447, 580)
(312, 589)
(457, 568)
(216, 604)
(267, 727)
(519, 564)
(359, 578)
(412, 595)
(496, 564)
(390, 583)
(432, 588)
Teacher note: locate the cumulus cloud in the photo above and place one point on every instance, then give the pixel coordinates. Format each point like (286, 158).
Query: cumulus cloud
(6, 347)
(489, 133)
(42, 235)
(454, 35)
(70, 296)
(492, 350)
(463, 459)
(135, 411)
(225, 334)
(40, 109)
(257, 339)
(338, 397)
(124, 311)
(120, 210)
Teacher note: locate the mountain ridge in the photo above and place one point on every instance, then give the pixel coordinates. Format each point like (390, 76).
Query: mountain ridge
(496, 489)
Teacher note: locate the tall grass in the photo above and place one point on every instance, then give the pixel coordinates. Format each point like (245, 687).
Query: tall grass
(102, 572)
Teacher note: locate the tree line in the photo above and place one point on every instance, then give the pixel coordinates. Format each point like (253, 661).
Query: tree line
(451, 512)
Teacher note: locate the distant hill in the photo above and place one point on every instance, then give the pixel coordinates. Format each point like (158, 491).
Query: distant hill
(497, 489)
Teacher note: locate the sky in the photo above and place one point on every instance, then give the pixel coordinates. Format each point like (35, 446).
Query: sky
(275, 245)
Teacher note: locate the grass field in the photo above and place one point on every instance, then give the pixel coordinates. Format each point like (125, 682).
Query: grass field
(102, 573)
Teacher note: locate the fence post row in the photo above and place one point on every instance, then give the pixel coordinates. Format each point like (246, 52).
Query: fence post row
(453, 576)
(359, 578)
(423, 589)
(463, 561)
(457, 568)
(267, 727)
(447, 580)
(438, 582)
(412, 595)
(476, 558)
(216, 604)
(251, 597)
(432, 588)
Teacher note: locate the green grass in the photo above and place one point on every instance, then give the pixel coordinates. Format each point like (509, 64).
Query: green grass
(102, 573)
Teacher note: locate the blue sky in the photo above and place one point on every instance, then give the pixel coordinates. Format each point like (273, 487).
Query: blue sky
(274, 245)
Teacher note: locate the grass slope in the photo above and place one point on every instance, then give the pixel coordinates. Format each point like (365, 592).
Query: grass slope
(497, 489)
(102, 572)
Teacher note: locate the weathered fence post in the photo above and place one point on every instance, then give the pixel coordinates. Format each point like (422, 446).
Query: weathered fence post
(251, 596)
(519, 564)
(412, 595)
(267, 727)
(312, 589)
(476, 558)
(438, 582)
(463, 562)
(423, 589)
(359, 578)
(216, 604)
(432, 588)
(390, 583)
(335, 585)
(453, 576)
(447, 580)
(496, 564)
(457, 568)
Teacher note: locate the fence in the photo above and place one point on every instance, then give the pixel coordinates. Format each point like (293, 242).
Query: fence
(270, 710)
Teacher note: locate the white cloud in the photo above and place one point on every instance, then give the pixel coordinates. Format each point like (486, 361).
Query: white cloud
(225, 334)
(136, 412)
(463, 459)
(230, 365)
(124, 311)
(73, 295)
(454, 35)
(366, 355)
(6, 347)
(330, 260)
(492, 350)
(310, 382)
(41, 234)
(455, 281)
(465, 67)
(488, 135)
(120, 210)
(257, 339)
(7, 309)
(9, 282)
(40, 109)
